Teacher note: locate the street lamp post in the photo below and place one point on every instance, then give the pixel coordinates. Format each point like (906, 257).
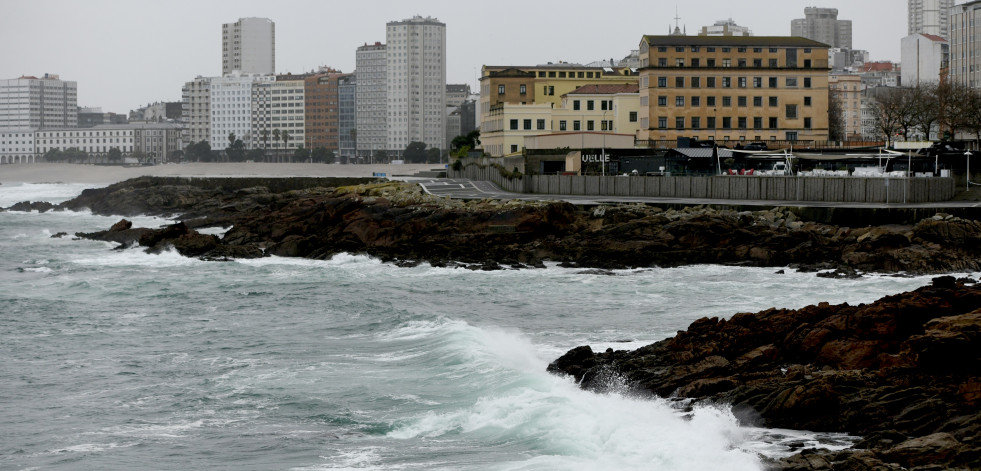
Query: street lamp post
(967, 178)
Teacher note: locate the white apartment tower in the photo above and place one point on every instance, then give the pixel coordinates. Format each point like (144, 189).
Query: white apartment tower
(248, 46)
(370, 100)
(416, 92)
(196, 110)
(38, 103)
(929, 17)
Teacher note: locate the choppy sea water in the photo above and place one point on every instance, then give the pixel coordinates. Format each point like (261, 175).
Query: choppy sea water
(123, 360)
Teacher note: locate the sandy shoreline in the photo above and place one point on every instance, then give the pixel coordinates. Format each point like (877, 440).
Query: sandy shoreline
(99, 174)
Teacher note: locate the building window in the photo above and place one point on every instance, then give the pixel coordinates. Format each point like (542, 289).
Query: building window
(696, 82)
(696, 122)
(791, 135)
(773, 49)
(807, 101)
(710, 82)
(662, 122)
(791, 82)
(579, 75)
(662, 101)
(757, 124)
(710, 49)
(807, 63)
(757, 82)
(590, 105)
(773, 101)
(741, 122)
(726, 62)
(791, 111)
(527, 124)
(662, 62)
(562, 125)
(500, 89)
(633, 117)
(710, 62)
(742, 82)
(741, 63)
(679, 123)
(576, 125)
(807, 82)
(772, 63)
(696, 101)
(575, 105)
(726, 82)
(541, 124)
(679, 82)
(662, 82)
(772, 82)
(514, 148)
(741, 101)
(562, 74)
(710, 122)
(710, 101)
(590, 126)
(679, 101)
(726, 123)
(726, 49)
(522, 89)
(757, 101)
(772, 123)
(679, 62)
(695, 62)
(662, 49)
(727, 101)
(807, 123)
(514, 124)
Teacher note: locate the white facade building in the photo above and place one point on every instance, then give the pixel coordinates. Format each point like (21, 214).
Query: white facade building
(370, 99)
(924, 55)
(38, 103)
(17, 146)
(249, 46)
(155, 142)
(929, 17)
(416, 94)
(231, 107)
(965, 52)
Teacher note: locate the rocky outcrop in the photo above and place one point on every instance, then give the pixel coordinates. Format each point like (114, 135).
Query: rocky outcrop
(398, 222)
(904, 372)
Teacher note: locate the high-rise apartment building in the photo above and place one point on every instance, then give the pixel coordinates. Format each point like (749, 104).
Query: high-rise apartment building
(231, 104)
(725, 28)
(371, 99)
(929, 17)
(347, 116)
(416, 82)
(823, 25)
(196, 110)
(965, 54)
(248, 46)
(38, 103)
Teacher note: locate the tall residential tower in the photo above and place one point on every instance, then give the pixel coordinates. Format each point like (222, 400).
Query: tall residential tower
(248, 46)
(38, 103)
(823, 25)
(370, 102)
(929, 17)
(416, 85)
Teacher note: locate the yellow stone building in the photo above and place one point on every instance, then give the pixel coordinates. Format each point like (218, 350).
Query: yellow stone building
(733, 88)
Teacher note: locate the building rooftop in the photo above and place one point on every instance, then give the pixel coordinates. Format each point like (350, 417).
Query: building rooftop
(605, 89)
(933, 37)
(673, 40)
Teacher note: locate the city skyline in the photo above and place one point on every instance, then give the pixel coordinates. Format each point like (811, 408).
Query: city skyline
(121, 66)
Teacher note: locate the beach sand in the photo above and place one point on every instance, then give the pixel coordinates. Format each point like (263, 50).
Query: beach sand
(105, 175)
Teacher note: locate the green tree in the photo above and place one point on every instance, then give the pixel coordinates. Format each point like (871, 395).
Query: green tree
(380, 157)
(74, 155)
(236, 151)
(301, 154)
(433, 156)
(115, 155)
(199, 152)
(264, 135)
(415, 153)
(231, 139)
(54, 155)
(322, 155)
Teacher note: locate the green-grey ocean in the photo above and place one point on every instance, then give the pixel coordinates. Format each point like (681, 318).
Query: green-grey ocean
(118, 359)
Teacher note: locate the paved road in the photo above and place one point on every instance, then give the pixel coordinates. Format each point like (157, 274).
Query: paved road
(468, 189)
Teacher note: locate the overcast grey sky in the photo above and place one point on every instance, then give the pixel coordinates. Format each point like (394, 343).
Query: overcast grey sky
(127, 53)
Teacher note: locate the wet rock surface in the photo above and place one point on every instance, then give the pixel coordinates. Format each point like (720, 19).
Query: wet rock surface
(903, 372)
(399, 222)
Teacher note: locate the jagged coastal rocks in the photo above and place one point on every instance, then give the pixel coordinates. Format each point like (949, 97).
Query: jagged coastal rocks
(903, 372)
(398, 222)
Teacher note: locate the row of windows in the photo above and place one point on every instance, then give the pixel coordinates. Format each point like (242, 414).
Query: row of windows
(727, 82)
(568, 74)
(771, 63)
(710, 123)
(605, 125)
(757, 50)
(605, 105)
(741, 101)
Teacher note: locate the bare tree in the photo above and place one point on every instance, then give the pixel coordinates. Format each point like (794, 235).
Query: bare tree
(836, 116)
(968, 112)
(925, 107)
